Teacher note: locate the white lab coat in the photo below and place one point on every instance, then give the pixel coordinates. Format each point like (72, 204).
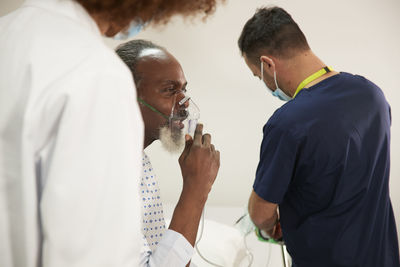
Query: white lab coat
(71, 140)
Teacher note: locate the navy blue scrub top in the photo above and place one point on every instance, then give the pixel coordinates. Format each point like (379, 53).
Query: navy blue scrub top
(325, 160)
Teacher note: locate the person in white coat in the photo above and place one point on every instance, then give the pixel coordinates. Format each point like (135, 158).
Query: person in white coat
(71, 134)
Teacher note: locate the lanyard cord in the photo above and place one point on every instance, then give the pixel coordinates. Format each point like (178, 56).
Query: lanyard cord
(311, 78)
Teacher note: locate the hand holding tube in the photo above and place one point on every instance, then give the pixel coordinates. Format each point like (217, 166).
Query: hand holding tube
(199, 164)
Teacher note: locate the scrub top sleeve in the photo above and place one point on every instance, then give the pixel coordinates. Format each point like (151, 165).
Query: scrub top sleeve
(277, 162)
(90, 209)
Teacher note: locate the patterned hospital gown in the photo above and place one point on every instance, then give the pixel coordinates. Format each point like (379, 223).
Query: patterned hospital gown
(153, 226)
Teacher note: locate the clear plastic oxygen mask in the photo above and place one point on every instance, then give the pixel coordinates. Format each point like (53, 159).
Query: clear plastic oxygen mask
(185, 115)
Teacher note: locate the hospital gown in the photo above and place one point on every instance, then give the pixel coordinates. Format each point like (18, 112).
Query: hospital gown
(161, 246)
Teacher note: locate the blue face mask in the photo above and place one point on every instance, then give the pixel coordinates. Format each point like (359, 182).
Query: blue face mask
(134, 28)
(278, 92)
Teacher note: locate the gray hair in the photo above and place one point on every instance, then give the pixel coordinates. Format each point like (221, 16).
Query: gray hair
(130, 53)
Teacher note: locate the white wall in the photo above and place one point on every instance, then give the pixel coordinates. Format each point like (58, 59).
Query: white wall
(358, 36)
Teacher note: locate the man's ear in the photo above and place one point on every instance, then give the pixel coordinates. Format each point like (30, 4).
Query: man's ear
(268, 64)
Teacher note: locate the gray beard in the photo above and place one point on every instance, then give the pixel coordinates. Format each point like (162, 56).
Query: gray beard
(172, 141)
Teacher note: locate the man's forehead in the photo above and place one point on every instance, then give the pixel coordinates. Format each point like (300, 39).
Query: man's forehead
(159, 67)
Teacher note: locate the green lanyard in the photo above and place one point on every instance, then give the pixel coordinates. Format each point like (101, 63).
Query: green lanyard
(311, 78)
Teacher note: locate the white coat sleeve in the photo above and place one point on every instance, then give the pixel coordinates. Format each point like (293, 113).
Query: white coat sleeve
(173, 250)
(90, 168)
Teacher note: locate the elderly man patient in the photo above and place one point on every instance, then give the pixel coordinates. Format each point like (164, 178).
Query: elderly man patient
(161, 88)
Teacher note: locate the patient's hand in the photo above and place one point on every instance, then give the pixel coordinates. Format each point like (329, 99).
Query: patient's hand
(199, 164)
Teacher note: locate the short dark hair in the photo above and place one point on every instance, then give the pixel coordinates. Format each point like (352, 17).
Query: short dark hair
(271, 30)
(130, 51)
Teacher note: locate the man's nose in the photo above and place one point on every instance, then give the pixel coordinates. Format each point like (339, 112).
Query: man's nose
(185, 104)
(182, 100)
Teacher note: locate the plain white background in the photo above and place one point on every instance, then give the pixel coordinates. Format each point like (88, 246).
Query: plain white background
(357, 36)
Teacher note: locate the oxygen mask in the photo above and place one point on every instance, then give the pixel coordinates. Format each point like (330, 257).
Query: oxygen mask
(184, 116)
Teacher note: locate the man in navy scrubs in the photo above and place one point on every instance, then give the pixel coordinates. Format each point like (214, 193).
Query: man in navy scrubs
(325, 155)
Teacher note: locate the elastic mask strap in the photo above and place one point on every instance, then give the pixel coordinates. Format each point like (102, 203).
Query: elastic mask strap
(262, 72)
(276, 82)
(141, 101)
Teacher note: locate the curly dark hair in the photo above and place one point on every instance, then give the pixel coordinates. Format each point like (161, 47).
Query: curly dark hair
(121, 12)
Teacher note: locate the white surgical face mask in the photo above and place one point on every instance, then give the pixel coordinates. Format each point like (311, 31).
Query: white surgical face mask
(134, 28)
(278, 92)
